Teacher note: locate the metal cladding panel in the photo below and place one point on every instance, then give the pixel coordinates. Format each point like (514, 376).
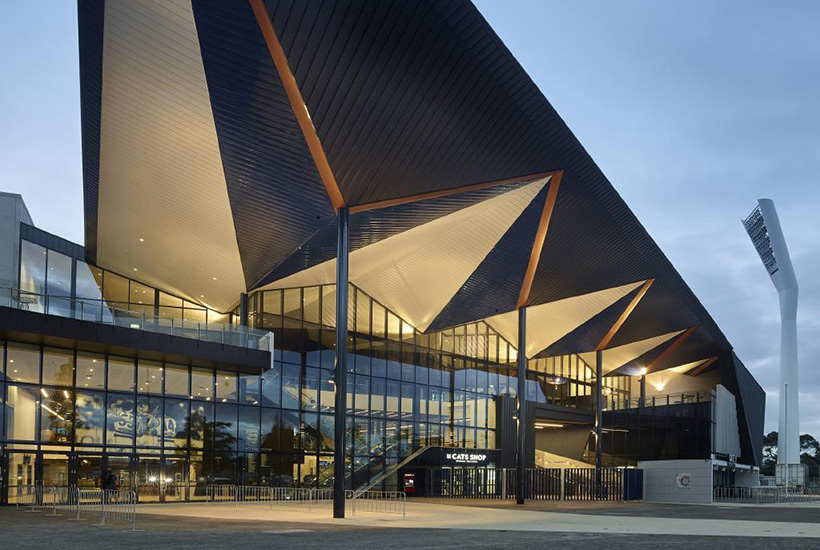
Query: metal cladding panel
(751, 402)
(91, 21)
(276, 195)
(372, 226)
(494, 286)
(587, 336)
(584, 250)
(663, 309)
(401, 103)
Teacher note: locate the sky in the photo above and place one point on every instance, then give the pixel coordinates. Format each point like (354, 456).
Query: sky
(693, 110)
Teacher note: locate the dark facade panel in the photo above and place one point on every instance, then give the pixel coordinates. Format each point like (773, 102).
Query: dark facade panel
(276, 195)
(90, 19)
(751, 411)
(49, 240)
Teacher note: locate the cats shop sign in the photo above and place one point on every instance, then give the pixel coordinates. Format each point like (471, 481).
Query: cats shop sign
(464, 457)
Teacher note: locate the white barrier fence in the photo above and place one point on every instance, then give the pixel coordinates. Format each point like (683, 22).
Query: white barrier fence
(766, 495)
(104, 504)
(380, 502)
(294, 497)
(383, 502)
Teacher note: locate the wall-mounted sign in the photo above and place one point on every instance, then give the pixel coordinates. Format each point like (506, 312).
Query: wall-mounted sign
(466, 457)
(684, 481)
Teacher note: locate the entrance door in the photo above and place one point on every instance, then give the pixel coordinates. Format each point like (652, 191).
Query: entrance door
(55, 468)
(89, 471)
(148, 479)
(121, 467)
(21, 472)
(174, 481)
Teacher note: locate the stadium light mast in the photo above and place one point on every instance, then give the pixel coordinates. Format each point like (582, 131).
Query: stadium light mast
(763, 227)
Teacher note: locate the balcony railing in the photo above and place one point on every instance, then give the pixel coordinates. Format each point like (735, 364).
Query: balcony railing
(664, 400)
(99, 312)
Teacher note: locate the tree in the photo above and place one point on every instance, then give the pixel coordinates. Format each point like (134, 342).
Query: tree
(769, 454)
(809, 454)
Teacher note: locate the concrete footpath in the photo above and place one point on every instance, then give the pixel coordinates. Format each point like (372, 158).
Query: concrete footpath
(445, 516)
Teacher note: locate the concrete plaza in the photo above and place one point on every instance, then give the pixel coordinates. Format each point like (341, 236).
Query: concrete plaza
(430, 525)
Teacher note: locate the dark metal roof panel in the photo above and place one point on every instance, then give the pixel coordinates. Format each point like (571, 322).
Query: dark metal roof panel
(401, 104)
(276, 194)
(90, 18)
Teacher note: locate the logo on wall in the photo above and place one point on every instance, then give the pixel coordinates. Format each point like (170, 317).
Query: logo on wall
(684, 481)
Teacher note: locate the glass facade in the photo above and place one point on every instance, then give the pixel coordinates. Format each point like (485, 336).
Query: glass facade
(97, 292)
(168, 429)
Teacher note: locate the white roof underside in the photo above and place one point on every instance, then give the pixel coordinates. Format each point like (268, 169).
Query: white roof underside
(417, 272)
(161, 177)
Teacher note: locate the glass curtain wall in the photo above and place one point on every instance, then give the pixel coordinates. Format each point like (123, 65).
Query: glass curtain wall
(96, 291)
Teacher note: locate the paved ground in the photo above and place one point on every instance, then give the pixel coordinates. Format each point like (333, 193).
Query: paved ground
(751, 512)
(23, 531)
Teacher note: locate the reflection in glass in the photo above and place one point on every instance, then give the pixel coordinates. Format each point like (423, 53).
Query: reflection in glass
(90, 420)
(175, 425)
(120, 420)
(149, 425)
(58, 367)
(56, 415)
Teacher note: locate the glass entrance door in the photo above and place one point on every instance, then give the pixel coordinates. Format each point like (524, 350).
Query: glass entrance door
(148, 479)
(56, 471)
(21, 472)
(89, 471)
(174, 486)
(120, 466)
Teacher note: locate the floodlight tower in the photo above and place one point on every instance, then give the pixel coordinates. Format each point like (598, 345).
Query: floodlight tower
(763, 227)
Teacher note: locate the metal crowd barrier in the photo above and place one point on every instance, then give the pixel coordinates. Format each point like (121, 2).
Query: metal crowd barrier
(381, 502)
(216, 493)
(765, 495)
(111, 505)
(107, 504)
(272, 496)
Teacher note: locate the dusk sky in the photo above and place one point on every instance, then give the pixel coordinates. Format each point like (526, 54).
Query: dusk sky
(694, 110)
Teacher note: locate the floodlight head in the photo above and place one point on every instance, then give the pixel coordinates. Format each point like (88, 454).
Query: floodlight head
(763, 227)
(756, 228)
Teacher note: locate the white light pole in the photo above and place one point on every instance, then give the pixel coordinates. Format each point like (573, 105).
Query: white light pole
(763, 227)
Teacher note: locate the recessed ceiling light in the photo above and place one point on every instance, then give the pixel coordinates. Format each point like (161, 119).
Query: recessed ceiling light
(142, 240)
(214, 278)
(135, 269)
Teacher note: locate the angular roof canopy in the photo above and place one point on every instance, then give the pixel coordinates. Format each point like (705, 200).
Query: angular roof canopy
(221, 136)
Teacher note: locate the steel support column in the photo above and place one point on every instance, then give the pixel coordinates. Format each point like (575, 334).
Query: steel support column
(243, 309)
(340, 375)
(642, 403)
(599, 415)
(522, 405)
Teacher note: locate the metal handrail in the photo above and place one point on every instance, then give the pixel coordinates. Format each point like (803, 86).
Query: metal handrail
(99, 311)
